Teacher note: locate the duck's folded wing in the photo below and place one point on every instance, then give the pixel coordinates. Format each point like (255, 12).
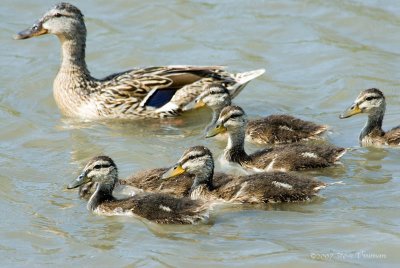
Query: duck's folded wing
(153, 86)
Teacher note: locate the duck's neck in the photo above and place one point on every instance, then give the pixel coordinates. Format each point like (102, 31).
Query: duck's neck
(374, 123)
(234, 151)
(73, 56)
(102, 194)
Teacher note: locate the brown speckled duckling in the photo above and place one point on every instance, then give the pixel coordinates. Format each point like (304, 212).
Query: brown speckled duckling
(151, 181)
(143, 92)
(372, 102)
(288, 157)
(160, 208)
(273, 129)
(266, 187)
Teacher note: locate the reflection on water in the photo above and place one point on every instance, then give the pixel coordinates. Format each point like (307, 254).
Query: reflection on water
(318, 56)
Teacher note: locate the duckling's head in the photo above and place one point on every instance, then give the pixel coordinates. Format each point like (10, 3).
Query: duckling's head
(215, 96)
(100, 169)
(370, 101)
(231, 119)
(64, 20)
(197, 160)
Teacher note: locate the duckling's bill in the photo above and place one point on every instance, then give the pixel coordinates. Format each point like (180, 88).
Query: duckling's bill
(82, 179)
(174, 171)
(352, 110)
(215, 131)
(199, 104)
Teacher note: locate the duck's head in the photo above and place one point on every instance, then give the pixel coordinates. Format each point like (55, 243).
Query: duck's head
(215, 96)
(196, 160)
(100, 169)
(231, 119)
(370, 101)
(64, 20)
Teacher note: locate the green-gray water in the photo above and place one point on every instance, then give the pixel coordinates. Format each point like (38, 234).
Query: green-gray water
(318, 56)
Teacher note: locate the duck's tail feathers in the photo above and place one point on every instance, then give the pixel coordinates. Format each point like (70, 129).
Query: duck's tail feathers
(321, 129)
(242, 79)
(324, 185)
(339, 154)
(319, 187)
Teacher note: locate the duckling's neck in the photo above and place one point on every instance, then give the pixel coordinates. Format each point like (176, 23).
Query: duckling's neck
(234, 151)
(215, 116)
(204, 178)
(216, 112)
(102, 194)
(374, 123)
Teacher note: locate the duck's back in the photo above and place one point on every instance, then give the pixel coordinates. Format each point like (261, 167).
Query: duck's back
(393, 136)
(273, 187)
(161, 208)
(151, 181)
(278, 129)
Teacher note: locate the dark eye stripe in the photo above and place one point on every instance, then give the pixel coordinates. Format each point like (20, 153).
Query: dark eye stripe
(194, 156)
(102, 166)
(372, 98)
(235, 115)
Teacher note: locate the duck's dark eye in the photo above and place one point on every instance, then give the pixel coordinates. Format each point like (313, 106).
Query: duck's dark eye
(369, 98)
(97, 167)
(57, 15)
(35, 27)
(192, 157)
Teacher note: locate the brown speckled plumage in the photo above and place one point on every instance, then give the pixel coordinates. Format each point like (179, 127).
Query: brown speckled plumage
(288, 157)
(273, 129)
(279, 129)
(157, 207)
(372, 102)
(266, 187)
(150, 181)
(144, 92)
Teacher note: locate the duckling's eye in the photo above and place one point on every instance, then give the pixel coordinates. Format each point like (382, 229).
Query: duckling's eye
(97, 167)
(192, 157)
(369, 98)
(57, 15)
(35, 27)
(234, 116)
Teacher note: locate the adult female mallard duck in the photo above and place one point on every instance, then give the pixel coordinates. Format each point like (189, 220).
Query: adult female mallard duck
(372, 102)
(288, 157)
(273, 129)
(148, 92)
(160, 208)
(266, 187)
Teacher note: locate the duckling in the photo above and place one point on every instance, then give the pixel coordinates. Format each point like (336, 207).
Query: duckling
(152, 92)
(273, 129)
(372, 102)
(288, 157)
(266, 187)
(151, 181)
(160, 208)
